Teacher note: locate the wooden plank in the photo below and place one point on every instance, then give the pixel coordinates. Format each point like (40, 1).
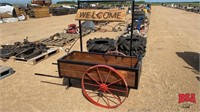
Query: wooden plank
(40, 12)
(42, 56)
(103, 59)
(77, 71)
(101, 15)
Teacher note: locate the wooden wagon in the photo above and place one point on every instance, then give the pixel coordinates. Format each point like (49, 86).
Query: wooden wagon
(102, 75)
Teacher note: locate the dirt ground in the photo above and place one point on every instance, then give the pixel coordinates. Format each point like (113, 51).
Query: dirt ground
(170, 67)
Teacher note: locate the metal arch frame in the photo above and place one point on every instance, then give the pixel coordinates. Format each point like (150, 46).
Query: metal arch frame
(132, 22)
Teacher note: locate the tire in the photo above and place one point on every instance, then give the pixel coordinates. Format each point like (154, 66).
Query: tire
(138, 45)
(101, 45)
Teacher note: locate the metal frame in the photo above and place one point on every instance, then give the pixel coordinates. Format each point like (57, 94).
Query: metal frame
(91, 1)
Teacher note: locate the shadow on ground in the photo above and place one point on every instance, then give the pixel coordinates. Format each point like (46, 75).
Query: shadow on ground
(191, 58)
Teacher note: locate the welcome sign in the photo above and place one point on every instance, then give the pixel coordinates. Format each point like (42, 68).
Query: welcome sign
(101, 15)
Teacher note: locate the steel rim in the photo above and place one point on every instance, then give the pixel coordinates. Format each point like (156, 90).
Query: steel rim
(102, 93)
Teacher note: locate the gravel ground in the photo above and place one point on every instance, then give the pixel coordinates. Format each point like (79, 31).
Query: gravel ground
(170, 67)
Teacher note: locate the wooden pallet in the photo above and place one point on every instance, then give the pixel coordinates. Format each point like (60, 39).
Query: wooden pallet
(38, 58)
(5, 71)
(67, 39)
(51, 42)
(39, 12)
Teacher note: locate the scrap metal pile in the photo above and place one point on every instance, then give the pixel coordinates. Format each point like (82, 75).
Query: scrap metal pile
(189, 7)
(68, 36)
(25, 50)
(59, 39)
(63, 10)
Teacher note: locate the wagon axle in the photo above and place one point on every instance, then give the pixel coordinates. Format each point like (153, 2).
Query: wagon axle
(103, 87)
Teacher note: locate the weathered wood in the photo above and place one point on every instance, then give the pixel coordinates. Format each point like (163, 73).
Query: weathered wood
(101, 15)
(39, 12)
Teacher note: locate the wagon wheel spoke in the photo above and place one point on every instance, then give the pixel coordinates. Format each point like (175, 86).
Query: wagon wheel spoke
(105, 102)
(114, 82)
(117, 90)
(93, 78)
(99, 75)
(106, 98)
(98, 99)
(110, 99)
(107, 76)
(95, 85)
(93, 91)
(114, 96)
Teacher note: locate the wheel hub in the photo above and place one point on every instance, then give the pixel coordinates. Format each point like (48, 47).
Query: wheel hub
(103, 87)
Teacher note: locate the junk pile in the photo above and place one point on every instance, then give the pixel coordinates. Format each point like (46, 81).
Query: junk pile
(74, 29)
(63, 10)
(59, 39)
(9, 13)
(42, 2)
(140, 26)
(25, 50)
(189, 7)
(66, 37)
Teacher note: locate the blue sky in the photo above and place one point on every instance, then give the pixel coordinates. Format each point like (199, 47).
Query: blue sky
(54, 1)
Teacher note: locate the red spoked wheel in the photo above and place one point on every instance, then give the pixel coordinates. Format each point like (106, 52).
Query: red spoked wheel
(104, 86)
(116, 53)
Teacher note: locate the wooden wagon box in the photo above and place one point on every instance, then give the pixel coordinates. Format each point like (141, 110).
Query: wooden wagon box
(75, 64)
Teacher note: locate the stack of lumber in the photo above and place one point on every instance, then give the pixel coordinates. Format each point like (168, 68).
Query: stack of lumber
(39, 12)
